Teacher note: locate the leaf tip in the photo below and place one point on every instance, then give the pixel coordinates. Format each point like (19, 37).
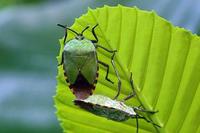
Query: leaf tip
(136, 7)
(90, 9)
(153, 12)
(119, 5)
(106, 6)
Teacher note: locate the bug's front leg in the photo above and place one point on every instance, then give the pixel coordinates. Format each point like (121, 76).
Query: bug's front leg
(94, 34)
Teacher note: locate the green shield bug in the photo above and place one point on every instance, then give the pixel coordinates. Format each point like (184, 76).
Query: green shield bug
(80, 63)
(113, 109)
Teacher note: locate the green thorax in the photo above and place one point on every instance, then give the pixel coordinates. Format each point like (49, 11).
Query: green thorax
(80, 58)
(79, 47)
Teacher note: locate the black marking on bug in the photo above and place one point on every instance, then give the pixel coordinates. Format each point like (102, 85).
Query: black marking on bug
(66, 79)
(95, 81)
(70, 86)
(65, 73)
(97, 75)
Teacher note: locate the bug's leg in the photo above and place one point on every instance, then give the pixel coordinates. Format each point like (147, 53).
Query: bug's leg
(137, 124)
(149, 121)
(96, 40)
(133, 90)
(128, 97)
(62, 59)
(142, 117)
(107, 71)
(144, 110)
(118, 77)
(114, 67)
(112, 61)
(94, 34)
(110, 51)
(131, 82)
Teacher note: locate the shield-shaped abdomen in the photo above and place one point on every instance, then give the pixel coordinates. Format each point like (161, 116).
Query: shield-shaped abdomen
(80, 66)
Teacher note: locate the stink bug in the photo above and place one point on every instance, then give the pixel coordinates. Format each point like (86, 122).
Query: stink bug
(113, 109)
(80, 63)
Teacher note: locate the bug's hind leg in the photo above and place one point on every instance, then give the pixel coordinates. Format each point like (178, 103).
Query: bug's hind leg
(107, 71)
(133, 90)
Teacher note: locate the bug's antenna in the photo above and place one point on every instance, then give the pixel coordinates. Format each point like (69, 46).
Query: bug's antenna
(65, 27)
(61, 25)
(65, 32)
(84, 30)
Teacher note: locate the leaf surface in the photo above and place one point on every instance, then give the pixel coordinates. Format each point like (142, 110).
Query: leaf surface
(164, 60)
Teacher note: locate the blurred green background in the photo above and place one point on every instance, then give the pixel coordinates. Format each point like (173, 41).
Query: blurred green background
(29, 45)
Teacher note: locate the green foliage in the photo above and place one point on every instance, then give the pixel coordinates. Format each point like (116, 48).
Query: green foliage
(5, 3)
(166, 69)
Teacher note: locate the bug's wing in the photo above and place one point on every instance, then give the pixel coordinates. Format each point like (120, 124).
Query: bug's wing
(89, 70)
(70, 68)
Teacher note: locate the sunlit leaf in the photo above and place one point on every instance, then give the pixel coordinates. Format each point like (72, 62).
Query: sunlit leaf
(164, 59)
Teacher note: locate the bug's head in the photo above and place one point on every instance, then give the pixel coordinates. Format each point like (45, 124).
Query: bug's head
(79, 36)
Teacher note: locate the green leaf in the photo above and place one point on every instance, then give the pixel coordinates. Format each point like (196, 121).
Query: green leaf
(164, 59)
